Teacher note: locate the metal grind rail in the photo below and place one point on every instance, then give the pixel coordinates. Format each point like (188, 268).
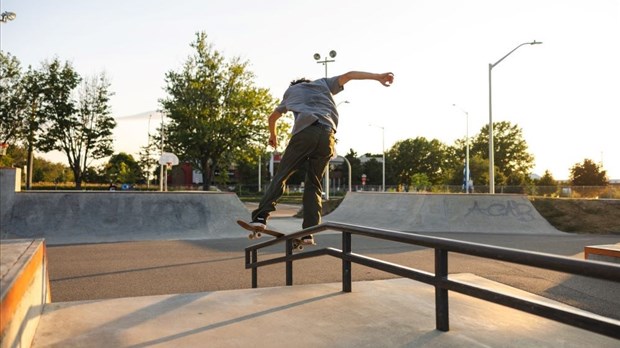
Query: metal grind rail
(440, 280)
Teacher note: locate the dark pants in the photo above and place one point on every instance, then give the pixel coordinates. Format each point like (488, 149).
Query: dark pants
(312, 147)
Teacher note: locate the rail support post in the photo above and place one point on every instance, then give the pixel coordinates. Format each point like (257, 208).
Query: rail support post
(289, 264)
(254, 269)
(442, 322)
(346, 265)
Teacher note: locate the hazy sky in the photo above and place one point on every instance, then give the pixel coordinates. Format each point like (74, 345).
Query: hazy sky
(564, 94)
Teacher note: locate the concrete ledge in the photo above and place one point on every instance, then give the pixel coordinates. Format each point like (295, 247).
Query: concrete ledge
(607, 253)
(25, 290)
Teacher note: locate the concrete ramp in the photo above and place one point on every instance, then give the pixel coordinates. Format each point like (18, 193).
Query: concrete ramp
(95, 217)
(415, 212)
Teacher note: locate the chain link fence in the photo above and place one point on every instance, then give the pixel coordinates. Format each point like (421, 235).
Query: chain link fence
(560, 191)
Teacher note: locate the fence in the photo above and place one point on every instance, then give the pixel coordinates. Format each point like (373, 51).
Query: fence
(603, 192)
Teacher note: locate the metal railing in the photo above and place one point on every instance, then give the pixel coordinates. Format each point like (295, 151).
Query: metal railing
(440, 279)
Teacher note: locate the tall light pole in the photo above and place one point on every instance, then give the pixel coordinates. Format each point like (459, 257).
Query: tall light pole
(383, 153)
(491, 148)
(317, 57)
(161, 166)
(148, 154)
(466, 147)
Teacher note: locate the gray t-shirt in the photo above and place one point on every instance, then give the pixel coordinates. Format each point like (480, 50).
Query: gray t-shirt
(312, 101)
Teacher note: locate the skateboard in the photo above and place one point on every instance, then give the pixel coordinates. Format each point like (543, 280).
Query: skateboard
(258, 232)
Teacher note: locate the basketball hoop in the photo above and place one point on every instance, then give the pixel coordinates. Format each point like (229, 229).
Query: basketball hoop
(168, 159)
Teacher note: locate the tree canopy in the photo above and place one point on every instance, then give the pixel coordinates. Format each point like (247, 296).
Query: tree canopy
(216, 112)
(588, 173)
(82, 128)
(418, 156)
(512, 160)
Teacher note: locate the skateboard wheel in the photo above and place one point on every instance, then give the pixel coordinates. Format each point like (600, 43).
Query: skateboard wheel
(258, 234)
(251, 236)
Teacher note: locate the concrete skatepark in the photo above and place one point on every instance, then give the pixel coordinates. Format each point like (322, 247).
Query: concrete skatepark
(401, 316)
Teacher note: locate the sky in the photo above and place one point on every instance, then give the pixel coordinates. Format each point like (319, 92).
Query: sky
(564, 94)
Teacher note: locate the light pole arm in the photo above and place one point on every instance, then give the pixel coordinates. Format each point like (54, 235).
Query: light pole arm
(509, 53)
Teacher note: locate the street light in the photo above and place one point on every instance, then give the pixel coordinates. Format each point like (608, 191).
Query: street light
(332, 54)
(466, 147)
(7, 16)
(491, 149)
(383, 153)
(317, 57)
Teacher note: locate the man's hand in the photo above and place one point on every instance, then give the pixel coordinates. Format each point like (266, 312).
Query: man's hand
(273, 141)
(386, 79)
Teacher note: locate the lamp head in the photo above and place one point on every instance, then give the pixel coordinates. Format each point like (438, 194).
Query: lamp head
(535, 43)
(317, 56)
(8, 16)
(332, 54)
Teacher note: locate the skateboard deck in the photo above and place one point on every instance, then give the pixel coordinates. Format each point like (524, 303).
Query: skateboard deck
(257, 233)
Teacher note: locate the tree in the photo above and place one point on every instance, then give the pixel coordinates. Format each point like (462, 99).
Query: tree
(216, 112)
(12, 106)
(356, 167)
(147, 162)
(546, 180)
(418, 156)
(33, 115)
(588, 174)
(82, 130)
(374, 171)
(420, 182)
(511, 157)
(122, 168)
(46, 171)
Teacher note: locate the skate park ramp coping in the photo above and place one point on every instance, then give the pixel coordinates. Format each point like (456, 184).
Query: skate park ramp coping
(428, 212)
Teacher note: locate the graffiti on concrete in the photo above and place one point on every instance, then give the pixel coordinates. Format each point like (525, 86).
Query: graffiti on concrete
(521, 211)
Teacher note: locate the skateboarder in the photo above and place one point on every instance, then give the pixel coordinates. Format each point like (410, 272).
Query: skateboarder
(312, 142)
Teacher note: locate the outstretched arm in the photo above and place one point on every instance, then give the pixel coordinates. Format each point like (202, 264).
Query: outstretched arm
(385, 79)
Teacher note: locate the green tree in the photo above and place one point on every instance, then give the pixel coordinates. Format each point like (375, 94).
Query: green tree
(419, 182)
(147, 162)
(216, 112)
(511, 157)
(16, 157)
(82, 130)
(373, 170)
(356, 167)
(33, 117)
(11, 95)
(546, 180)
(122, 168)
(418, 156)
(46, 171)
(588, 173)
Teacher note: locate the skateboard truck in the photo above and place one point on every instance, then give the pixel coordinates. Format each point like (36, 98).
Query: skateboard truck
(256, 233)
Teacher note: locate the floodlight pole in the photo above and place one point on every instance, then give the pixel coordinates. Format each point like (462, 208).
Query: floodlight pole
(382, 152)
(467, 178)
(161, 166)
(491, 147)
(317, 56)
